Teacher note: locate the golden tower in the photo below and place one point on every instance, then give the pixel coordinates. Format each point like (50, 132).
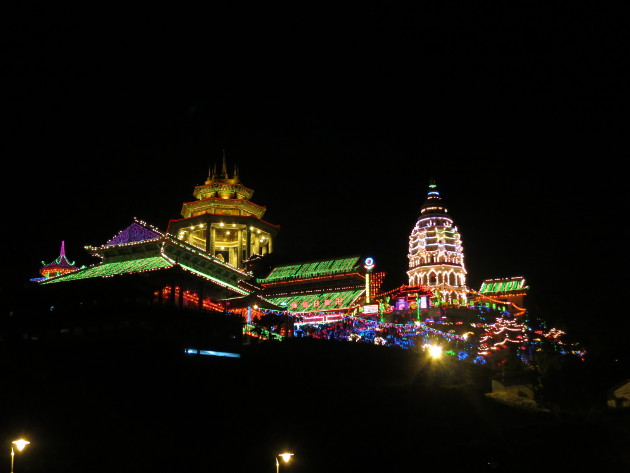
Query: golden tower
(223, 222)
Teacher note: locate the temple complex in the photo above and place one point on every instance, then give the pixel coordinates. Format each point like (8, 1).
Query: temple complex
(436, 255)
(223, 222)
(193, 284)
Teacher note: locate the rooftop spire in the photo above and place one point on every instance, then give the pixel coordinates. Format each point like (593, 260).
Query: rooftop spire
(224, 173)
(433, 204)
(61, 265)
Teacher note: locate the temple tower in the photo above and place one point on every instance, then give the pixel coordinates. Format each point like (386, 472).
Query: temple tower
(223, 222)
(436, 255)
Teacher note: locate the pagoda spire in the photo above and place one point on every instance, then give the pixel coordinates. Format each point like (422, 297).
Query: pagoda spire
(433, 203)
(224, 173)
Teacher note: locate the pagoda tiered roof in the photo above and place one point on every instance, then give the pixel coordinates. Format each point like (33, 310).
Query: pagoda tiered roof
(222, 195)
(141, 248)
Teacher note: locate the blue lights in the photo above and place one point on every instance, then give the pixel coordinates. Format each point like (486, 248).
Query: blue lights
(194, 351)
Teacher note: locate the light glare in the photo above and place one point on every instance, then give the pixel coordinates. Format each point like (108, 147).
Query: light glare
(21, 443)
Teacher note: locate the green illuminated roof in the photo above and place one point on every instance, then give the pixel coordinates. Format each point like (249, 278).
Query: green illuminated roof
(112, 269)
(503, 285)
(318, 302)
(313, 269)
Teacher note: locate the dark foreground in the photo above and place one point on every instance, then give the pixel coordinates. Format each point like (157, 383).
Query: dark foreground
(339, 407)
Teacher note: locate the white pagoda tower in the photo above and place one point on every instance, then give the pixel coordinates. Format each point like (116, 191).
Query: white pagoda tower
(436, 255)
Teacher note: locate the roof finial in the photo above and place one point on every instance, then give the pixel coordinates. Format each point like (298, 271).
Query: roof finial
(224, 173)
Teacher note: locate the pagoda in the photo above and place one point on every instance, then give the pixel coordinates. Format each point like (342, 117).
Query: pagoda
(223, 222)
(436, 255)
(61, 265)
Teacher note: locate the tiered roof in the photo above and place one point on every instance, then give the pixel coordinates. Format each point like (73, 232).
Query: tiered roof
(140, 248)
(316, 286)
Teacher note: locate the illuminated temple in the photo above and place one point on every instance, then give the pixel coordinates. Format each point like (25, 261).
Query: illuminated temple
(198, 264)
(320, 291)
(436, 254)
(194, 284)
(223, 222)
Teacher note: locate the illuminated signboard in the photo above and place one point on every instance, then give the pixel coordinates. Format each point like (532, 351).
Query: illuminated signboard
(370, 309)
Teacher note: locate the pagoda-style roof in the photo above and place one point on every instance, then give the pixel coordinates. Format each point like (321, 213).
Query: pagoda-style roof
(324, 301)
(312, 269)
(221, 206)
(502, 286)
(116, 268)
(316, 286)
(60, 265)
(133, 233)
(141, 247)
(224, 195)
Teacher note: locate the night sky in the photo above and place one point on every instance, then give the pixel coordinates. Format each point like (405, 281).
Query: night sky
(337, 119)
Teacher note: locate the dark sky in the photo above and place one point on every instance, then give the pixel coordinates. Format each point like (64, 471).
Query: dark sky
(337, 119)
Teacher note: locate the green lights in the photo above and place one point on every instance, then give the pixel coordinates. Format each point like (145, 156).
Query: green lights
(317, 302)
(112, 269)
(309, 270)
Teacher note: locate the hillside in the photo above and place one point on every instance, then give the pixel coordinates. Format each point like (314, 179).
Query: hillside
(338, 406)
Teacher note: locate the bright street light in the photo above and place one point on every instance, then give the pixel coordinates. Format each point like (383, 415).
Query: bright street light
(435, 351)
(286, 457)
(20, 444)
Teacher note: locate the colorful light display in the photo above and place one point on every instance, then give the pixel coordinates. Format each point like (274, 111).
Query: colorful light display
(436, 255)
(59, 267)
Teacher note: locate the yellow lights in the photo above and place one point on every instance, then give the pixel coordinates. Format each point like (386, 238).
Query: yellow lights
(435, 351)
(286, 456)
(20, 444)
(221, 224)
